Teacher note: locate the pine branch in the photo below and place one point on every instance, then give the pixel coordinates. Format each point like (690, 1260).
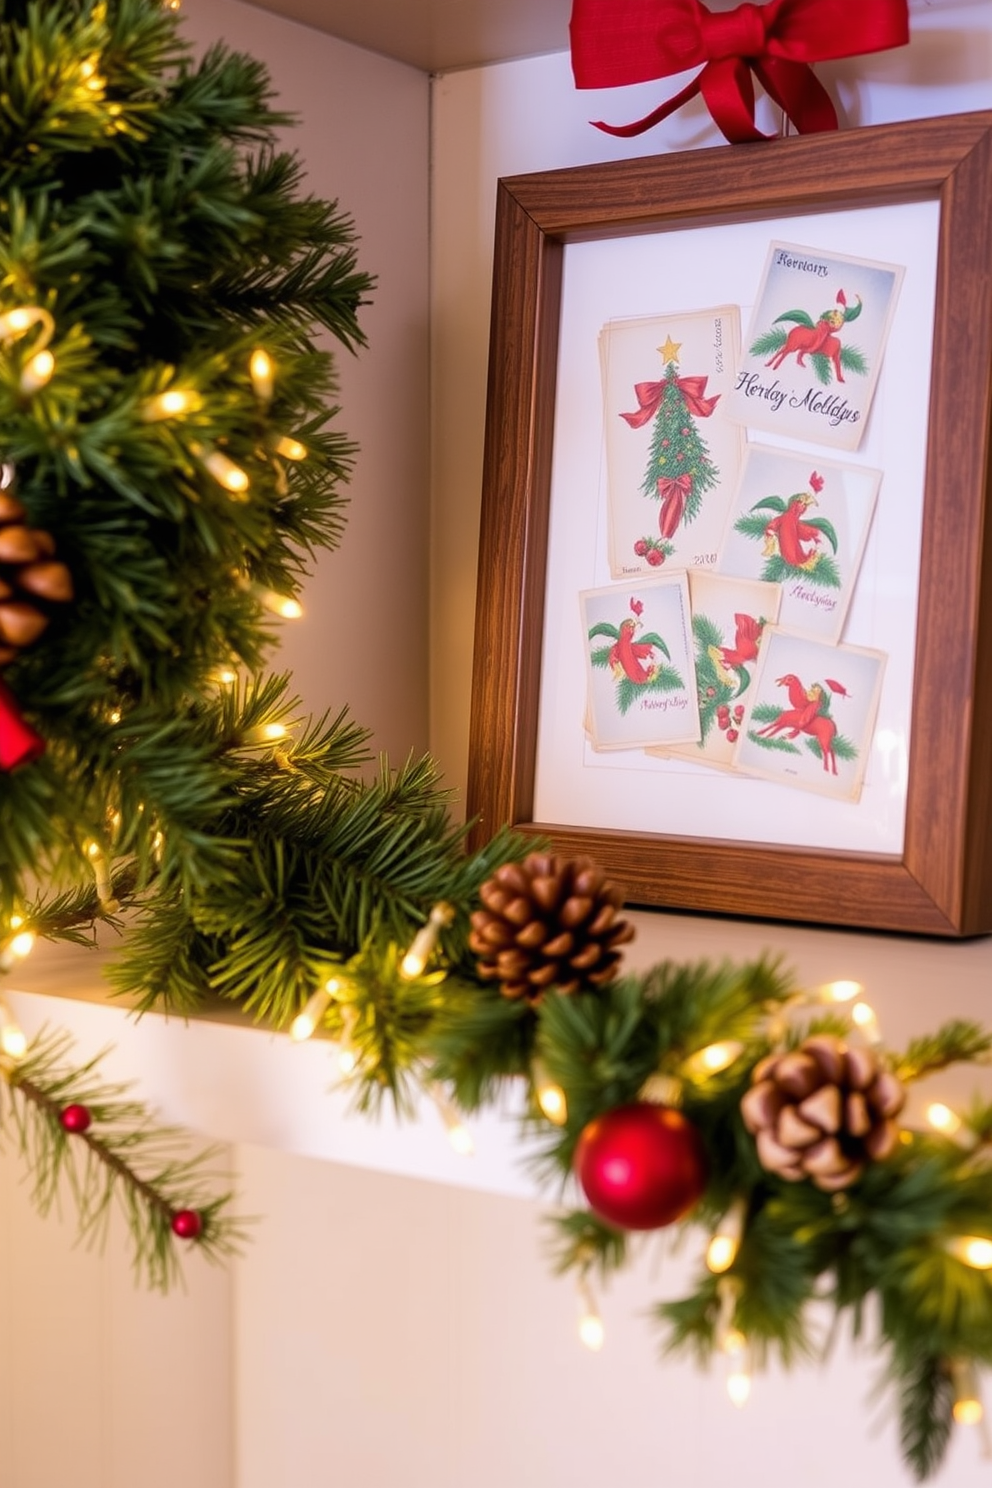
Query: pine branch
(122, 1156)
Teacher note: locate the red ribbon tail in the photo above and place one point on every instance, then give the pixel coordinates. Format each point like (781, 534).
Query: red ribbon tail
(795, 87)
(19, 744)
(728, 90)
(627, 131)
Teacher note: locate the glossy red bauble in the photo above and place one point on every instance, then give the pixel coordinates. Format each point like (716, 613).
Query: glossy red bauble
(76, 1118)
(187, 1224)
(641, 1166)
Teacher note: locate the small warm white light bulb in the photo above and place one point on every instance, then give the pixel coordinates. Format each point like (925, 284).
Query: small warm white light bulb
(282, 604)
(37, 372)
(863, 1016)
(290, 449)
(973, 1250)
(461, 1139)
(22, 944)
(458, 1133)
(12, 1040)
(842, 991)
(943, 1119)
(592, 1332)
(714, 1058)
(224, 471)
(225, 676)
(967, 1408)
(306, 1023)
(551, 1099)
(170, 404)
(721, 1253)
(347, 1061)
(424, 941)
(262, 375)
(16, 322)
(739, 1387)
(16, 921)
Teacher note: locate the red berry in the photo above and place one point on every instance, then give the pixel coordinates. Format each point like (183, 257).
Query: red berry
(732, 736)
(76, 1118)
(640, 547)
(665, 443)
(723, 711)
(711, 692)
(739, 712)
(187, 1224)
(685, 433)
(655, 557)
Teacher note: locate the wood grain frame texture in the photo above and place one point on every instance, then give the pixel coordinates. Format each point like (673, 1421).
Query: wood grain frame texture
(942, 883)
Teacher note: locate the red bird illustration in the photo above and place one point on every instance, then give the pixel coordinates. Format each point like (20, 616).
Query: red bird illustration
(787, 533)
(744, 649)
(807, 715)
(627, 655)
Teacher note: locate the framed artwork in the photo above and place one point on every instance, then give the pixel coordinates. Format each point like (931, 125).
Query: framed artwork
(734, 609)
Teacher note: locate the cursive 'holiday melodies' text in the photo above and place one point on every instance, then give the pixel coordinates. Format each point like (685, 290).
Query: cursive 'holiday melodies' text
(751, 385)
(835, 409)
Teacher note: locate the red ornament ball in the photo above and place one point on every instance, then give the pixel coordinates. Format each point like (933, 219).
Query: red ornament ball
(187, 1224)
(76, 1118)
(641, 1166)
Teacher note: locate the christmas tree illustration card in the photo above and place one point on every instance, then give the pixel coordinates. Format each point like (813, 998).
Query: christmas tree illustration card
(641, 680)
(729, 618)
(811, 714)
(672, 454)
(802, 522)
(814, 347)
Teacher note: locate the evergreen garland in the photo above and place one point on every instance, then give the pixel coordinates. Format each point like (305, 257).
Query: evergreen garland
(251, 854)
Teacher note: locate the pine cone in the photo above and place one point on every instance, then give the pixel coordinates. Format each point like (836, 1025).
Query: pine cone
(30, 577)
(823, 1111)
(548, 922)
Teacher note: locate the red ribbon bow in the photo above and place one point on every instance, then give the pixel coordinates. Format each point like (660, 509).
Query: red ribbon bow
(616, 42)
(650, 394)
(19, 744)
(674, 493)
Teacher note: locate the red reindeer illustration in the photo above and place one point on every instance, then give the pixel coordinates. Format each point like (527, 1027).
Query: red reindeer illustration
(809, 339)
(807, 715)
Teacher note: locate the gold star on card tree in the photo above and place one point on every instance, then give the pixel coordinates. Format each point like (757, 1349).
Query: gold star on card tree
(670, 350)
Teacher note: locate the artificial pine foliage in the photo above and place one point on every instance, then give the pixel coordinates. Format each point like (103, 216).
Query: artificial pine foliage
(168, 418)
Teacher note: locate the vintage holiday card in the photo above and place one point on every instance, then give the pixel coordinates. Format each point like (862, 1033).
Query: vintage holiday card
(802, 522)
(815, 344)
(729, 617)
(811, 714)
(672, 454)
(641, 681)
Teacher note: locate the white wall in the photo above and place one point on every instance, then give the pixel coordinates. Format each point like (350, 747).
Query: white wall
(103, 1385)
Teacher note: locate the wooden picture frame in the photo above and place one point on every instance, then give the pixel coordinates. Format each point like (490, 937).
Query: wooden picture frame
(941, 884)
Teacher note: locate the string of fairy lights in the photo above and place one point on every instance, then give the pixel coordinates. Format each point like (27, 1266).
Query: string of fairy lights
(30, 330)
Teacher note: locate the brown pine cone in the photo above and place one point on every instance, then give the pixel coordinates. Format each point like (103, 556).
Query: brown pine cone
(30, 577)
(823, 1111)
(548, 922)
